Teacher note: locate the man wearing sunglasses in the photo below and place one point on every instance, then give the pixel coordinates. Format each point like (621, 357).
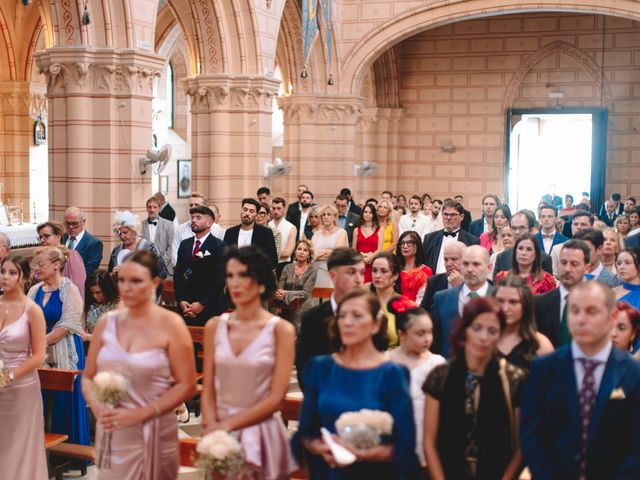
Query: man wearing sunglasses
(78, 239)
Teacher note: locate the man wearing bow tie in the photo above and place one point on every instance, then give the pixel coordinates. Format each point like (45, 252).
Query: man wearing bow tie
(158, 231)
(549, 237)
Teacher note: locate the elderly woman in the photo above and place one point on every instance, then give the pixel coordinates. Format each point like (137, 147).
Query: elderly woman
(325, 241)
(127, 227)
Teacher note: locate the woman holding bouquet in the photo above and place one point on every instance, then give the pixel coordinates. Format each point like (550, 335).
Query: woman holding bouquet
(359, 376)
(248, 359)
(152, 348)
(22, 348)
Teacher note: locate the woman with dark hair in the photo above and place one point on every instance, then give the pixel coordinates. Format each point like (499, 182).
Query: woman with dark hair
(22, 348)
(415, 330)
(152, 348)
(101, 296)
(472, 404)
(628, 267)
(386, 285)
(520, 342)
(626, 330)
(248, 359)
(415, 272)
(368, 239)
(358, 376)
(491, 240)
(526, 262)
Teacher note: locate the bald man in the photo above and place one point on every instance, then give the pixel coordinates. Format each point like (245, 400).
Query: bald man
(78, 239)
(450, 278)
(448, 304)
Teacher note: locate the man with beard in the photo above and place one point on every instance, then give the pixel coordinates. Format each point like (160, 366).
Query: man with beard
(299, 216)
(199, 272)
(250, 233)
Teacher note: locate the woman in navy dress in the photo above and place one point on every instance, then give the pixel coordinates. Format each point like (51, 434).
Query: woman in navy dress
(358, 376)
(61, 303)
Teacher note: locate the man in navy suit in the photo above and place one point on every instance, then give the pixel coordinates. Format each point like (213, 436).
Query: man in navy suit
(199, 272)
(595, 241)
(483, 224)
(548, 237)
(448, 304)
(580, 404)
(78, 239)
(610, 214)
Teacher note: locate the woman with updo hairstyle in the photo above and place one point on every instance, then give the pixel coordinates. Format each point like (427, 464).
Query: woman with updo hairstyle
(61, 303)
(248, 360)
(358, 376)
(472, 405)
(415, 331)
(152, 348)
(22, 349)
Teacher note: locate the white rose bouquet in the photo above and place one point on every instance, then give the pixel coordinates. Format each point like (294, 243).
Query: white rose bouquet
(364, 429)
(110, 388)
(4, 375)
(220, 453)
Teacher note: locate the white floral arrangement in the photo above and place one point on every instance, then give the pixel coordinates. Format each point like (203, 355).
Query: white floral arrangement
(110, 389)
(4, 375)
(364, 429)
(220, 453)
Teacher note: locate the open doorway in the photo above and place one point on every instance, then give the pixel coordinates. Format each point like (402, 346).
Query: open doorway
(555, 152)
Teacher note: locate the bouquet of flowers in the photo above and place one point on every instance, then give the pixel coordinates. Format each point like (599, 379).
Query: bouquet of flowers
(110, 389)
(220, 453)
(4, 375)
(364, 429)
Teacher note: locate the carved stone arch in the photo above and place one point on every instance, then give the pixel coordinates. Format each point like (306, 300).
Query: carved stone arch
(576, 54)
(386, 79)
(8, 42)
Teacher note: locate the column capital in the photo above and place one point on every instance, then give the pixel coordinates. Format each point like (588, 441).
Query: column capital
(20, 97)
(229, 92)
(319, 109)
(99, 71)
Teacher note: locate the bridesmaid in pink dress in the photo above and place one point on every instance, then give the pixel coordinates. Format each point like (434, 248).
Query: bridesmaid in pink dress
(22, 349)
(248, 358)
(151, 346)
(367, 238)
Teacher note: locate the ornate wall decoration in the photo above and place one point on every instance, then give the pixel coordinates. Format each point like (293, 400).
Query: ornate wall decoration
(212, 98)
(305, 110)
(67, 17)
(209, 34)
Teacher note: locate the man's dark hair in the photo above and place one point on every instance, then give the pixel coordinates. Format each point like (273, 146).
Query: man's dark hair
(569, 196)
(453, 204)
(633, 199)
(372, 200)
(345, 191)
(616, 197)
(416, 197)
(387, 192)
(575, 244)
(458, 196)
(528, 214)
(203, 210)
(591, 235)
(343, 256)
(262, 190)
(585, 194)
(308, 192)
(251, 201)
(547, 206)
(583, 214)
(342, 196)
(582, 207)
(279, 200)
(437, 200)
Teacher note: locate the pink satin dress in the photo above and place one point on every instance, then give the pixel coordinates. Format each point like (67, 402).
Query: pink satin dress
(243, 380)
(22, 454)
(146, 451)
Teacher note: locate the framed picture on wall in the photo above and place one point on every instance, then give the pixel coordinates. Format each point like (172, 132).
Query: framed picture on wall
(184, 178)
(164, 184)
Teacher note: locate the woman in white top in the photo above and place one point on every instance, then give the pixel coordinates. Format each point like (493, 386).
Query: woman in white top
(325, 241)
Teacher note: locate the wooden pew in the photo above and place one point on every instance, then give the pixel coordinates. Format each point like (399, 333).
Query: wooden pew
(168, 292)
(321, 293)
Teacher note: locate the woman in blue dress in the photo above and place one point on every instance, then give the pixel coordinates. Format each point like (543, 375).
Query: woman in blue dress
(358, 376)
(61, 303)
(628, 267)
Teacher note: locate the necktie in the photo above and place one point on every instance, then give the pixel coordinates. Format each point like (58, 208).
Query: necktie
(565, 336)
(451, 234)
(587, 399)
(473, 295)
(72, 243)
(196, 249)
(152, 222)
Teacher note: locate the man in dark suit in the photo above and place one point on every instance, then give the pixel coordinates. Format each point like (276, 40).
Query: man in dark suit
(347, 220)
(489, 204)
(632, 241)
(551, 307)
(616, 208)
(595, 241)
(433, 243)
(78, 239)
(448, 304)
(158, 231)
(466, 221)
(294, 207)
(521, 223)
(610, 214)
(199, 272)
(548, 237)
(580, 404)
(300, 216)
(250, 233)
(166, 210)
(452, 277)
(353, 206)
(346, 270)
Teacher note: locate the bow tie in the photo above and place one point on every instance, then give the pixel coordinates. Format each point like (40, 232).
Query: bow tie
(551, 235)
(451, 234)
(153, 222)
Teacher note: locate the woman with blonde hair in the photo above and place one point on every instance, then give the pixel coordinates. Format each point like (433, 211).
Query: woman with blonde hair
(328, 238)
(388, 225)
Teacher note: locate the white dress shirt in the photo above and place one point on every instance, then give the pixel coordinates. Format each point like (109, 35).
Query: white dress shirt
(184, 231)
(440, 268)
(417, 224)
(202, 240)
(433, 224)
(602, 356)
(463, 296)
(152, 229)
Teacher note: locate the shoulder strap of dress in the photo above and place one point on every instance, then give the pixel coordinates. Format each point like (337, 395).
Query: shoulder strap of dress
(27, 305)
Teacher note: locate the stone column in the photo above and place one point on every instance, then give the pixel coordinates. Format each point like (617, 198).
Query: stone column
(99, 125)
(231, 136)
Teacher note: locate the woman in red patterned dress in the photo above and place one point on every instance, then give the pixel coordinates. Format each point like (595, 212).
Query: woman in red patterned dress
(414, 274)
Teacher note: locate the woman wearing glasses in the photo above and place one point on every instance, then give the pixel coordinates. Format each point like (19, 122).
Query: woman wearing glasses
(50, 235)
(415, 273)
(263, 219)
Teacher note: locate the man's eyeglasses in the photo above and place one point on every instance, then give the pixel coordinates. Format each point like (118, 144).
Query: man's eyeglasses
(72, 224)
(450, 215)
(44, 236)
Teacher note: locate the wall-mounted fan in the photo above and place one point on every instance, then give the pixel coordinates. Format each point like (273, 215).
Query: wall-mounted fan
(158, 159)
(278, 168)
(365, 169)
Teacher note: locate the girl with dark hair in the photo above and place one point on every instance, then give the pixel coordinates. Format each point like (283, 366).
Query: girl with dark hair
(415, 330)
(386, 285)
(472, 404)
(415, 273)
(526, 262)
(628, 266)
(358, 376)
(491, 240)
(368, 239)
(152, 348)
(626, 330)
(101, 296)
(520, 342)
(22, 349)
(248, 359)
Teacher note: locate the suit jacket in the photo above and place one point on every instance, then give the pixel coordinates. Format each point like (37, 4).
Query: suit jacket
(313, 338)
(466, 220)
(353, 207)
(444, 313)
(503, 262)
(201, 279)
(551, 424)
(262, 238)
(548, 315)
(167, 212)
(143, 244)
(434, 284)
(163, 239)
(433, 242)
(352, 222)
(608, 278)
(632, 241)
(476, 228)
(90, 249)
(558, 239)
(293, 210)
(609, 221)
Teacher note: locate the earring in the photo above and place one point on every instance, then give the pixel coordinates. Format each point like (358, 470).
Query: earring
(262, 289)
